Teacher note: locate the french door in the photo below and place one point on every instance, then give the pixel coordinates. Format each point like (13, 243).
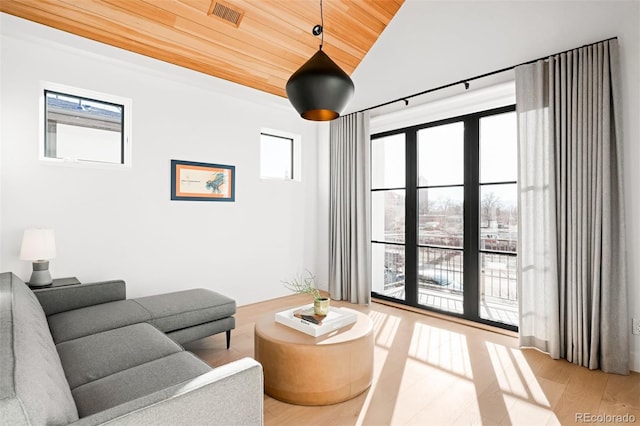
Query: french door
(444, 216)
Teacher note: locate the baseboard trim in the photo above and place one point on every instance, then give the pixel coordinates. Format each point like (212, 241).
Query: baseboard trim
(462, 321)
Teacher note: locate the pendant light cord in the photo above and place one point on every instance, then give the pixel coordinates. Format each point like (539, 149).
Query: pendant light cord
(322, 26)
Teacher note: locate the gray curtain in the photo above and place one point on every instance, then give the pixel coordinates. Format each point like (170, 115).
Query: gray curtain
(573, 288)
(349, 209)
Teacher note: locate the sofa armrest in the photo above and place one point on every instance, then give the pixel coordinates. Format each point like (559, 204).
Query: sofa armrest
(61, 299)
(231, 394)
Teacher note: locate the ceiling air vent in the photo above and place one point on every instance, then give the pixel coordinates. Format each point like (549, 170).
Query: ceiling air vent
(226, 12)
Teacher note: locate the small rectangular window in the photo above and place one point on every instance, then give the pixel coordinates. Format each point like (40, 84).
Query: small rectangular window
(279, 155)
(84, 127)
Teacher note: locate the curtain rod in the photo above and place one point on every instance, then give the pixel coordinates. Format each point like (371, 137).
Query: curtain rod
(467, 80)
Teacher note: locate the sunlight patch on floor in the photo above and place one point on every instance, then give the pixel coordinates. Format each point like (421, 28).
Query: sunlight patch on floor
(523, 395)
(441, 348)
(507, 372)
(386, 326)
(498, 385)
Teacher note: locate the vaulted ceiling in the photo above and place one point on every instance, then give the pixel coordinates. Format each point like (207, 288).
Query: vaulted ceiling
(256, 43)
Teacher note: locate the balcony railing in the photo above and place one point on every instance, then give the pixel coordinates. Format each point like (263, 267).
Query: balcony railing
(440, 284)
(493, 309)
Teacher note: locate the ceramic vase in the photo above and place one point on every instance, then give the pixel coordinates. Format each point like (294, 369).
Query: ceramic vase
(321, 306)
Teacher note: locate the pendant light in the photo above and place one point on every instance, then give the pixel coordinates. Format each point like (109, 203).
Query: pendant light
(319, 90)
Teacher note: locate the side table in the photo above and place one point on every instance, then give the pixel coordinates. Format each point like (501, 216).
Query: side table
(58, 282)
(306, 370)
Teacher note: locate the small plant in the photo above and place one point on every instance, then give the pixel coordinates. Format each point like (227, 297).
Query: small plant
(304, 285)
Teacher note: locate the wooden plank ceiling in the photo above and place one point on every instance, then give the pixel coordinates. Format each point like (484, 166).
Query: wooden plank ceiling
(272, 39)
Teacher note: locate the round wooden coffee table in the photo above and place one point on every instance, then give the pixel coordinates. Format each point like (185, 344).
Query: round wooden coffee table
(306, 370)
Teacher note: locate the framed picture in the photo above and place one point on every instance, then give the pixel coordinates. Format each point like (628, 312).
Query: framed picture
(191, 181)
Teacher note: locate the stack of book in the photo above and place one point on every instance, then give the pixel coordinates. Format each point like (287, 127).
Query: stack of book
(303, 319)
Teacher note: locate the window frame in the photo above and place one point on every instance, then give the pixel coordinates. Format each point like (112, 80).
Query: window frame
(296, 167)
(471, 216)
(126, 133)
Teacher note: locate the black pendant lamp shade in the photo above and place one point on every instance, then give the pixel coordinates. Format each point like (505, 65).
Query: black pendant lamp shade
(319, 90)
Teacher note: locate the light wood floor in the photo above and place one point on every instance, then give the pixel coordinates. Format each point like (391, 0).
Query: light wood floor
(429, 371)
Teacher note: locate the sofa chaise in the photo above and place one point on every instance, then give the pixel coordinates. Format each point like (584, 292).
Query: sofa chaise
(86, 355)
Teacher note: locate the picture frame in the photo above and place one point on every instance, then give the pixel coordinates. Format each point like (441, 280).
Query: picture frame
(194, 181)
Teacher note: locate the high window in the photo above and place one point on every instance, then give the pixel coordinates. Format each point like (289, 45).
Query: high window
(279, 155)
(444, 216)
(84, 127)
(276, 157)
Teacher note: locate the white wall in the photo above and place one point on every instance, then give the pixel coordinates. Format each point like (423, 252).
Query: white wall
(432, 43)
(122, 224)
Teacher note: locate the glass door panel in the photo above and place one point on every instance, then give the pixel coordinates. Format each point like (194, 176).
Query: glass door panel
(388, 162)
(441, 155)
(440, 280)
(388, 278)
(388, 181)
(499, 148)
(498, 288)
(441, 216)
(498, 218)
(388, 216)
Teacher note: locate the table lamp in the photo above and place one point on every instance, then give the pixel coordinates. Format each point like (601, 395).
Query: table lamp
(39, 245)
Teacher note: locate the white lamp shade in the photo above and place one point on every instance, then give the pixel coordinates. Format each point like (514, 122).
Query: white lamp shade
(38, 244)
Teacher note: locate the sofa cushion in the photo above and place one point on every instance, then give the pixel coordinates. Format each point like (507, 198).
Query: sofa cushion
(182, 309)
(69, 297)
(92, 357)
(33, 387)
(94, 319)
(136, 382)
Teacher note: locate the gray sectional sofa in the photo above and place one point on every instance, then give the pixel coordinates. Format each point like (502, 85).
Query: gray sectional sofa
(86, 355)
